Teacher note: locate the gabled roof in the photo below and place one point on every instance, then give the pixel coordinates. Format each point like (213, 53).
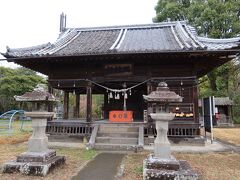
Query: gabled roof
(149, 38)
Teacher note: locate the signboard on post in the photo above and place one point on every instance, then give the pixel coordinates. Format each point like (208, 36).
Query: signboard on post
(208, 113)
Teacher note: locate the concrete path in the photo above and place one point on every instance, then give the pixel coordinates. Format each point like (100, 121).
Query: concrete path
(216, 146)
(231, 147)
(103, 167)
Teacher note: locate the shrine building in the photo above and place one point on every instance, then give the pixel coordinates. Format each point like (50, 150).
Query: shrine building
(123, 63)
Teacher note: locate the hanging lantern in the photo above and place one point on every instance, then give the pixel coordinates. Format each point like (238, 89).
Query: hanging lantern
(58, 85)
(74, 85)
(130, 92)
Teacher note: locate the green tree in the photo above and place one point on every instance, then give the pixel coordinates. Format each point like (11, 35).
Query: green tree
(214, 19)
(16, 82)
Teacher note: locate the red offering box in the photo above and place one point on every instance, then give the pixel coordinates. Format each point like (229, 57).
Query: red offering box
(120, 116)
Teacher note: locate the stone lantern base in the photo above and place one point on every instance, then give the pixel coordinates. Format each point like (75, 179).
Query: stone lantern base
(168, 169)
(34, 163)
(38, 160)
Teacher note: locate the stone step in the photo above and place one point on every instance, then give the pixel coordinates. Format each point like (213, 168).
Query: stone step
(119, 134)
(117, 140)
(117, 129)
(116, 147)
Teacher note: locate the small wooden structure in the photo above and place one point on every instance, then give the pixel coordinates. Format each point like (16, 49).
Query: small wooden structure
(224, 114)
(123, 63)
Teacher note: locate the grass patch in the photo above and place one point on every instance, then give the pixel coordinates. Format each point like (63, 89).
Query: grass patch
(89, 154)
(17, 135)
(230, 135)
(138, 170)
(74, 159)
(77, 154)
(133, 166)
(11, 145)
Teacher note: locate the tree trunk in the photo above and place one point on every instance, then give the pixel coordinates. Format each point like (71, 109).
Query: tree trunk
(212, 78)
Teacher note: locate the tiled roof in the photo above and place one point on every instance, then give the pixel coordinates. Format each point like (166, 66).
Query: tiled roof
(223, 101)
(157, 37)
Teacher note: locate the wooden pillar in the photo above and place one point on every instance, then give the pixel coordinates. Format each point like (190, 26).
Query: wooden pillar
(149, 107)
(89, 103)
(105, 111)
(195, 101)
(49, 104)
(66, 105)
(77, 106)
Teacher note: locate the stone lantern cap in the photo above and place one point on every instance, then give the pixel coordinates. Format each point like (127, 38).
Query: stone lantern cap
(37, 95)
(163, 94)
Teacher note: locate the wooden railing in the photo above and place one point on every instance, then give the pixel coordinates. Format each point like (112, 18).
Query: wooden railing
(176, 130)
(85, 129)
(80, 129)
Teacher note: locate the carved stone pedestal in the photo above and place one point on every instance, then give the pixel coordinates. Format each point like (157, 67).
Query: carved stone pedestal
(161, 143)
(38, 160)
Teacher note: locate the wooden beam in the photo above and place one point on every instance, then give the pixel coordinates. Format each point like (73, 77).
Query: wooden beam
(66, 105)
(89, 102)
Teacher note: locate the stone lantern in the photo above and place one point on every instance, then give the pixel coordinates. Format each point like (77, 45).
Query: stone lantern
(38, 160)
(162, 97)
(161, 165)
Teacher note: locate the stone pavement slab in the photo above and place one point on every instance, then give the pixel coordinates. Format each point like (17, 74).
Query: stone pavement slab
(103, 167)
(215, 147)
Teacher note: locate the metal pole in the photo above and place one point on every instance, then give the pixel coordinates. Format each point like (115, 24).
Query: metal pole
(203, 115)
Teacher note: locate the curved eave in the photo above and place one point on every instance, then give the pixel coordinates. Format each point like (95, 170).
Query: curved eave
(229, 52)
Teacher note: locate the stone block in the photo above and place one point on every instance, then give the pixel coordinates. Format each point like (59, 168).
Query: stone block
(167, 169)
(36, 157)
(33, 168)
(157, 163)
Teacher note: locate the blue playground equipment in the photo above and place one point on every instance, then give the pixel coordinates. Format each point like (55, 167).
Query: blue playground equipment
(7, 118)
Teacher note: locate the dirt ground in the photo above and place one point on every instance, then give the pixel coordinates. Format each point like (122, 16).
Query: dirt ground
(211, 166)
(231, 135)
(75, 158)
